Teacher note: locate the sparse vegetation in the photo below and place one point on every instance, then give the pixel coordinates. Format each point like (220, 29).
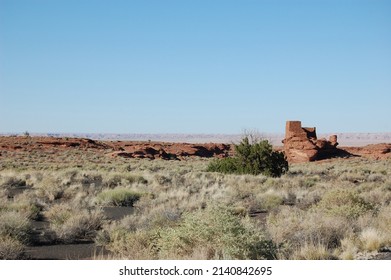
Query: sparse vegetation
(344, 203)
(70, 224)
(214, 233)
(15, 225)
(252, 157)
(218, 233)
(327, 210)
(10, 248)
(118, 197)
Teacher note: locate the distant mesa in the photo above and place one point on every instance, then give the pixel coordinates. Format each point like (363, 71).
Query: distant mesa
(302, 145)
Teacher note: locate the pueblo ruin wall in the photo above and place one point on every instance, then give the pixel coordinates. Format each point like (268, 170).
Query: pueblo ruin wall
(302, 145)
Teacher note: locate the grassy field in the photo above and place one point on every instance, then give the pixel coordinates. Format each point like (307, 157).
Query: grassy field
(336, 209)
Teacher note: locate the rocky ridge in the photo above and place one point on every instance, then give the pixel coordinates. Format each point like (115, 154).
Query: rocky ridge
(301, 151)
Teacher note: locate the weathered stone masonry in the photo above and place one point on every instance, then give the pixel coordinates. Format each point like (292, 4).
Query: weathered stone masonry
(302, 145)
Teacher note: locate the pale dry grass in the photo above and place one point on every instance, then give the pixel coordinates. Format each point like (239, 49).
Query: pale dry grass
(71, 224)
(15, 225)
(349, 248)
(10, 248)
(372, 239)
(214, 233)
(310, 251)
(316, 210)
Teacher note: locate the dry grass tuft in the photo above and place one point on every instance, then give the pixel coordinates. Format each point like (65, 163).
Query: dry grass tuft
(14, 225)
(118, 197)
(11, 248)
(372, 239)
(70, 224)
(313, 252)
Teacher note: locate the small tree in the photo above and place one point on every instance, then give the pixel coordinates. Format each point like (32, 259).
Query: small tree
(252, 157)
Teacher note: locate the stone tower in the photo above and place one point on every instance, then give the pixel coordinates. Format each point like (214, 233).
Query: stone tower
(302, 145)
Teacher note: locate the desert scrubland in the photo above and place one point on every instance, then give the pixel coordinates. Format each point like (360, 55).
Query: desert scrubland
(70, 196)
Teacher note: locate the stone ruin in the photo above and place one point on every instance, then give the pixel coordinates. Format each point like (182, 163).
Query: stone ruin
(302, 145)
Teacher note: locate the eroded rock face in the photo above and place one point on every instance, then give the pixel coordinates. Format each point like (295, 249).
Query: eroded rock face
(372, 151)
(302, 145)
(172, 151)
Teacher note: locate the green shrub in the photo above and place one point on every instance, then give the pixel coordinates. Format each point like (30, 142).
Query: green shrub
(118, 197)
(253, 158)
(226, 165)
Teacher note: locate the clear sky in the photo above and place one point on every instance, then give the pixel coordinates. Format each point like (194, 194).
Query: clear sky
(213, 66)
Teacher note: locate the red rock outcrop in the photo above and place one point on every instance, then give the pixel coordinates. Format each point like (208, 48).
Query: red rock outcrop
(172, 151)
(127, 149)
(302, 145)
(43, 143)
(372, 151)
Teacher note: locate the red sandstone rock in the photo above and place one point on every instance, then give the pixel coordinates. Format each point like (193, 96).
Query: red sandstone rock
(171, 151)
(373, 151)
(302, 145)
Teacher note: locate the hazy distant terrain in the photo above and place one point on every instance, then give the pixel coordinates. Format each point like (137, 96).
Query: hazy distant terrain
(344, 139)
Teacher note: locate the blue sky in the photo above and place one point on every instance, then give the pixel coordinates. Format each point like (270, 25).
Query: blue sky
(194, 66)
